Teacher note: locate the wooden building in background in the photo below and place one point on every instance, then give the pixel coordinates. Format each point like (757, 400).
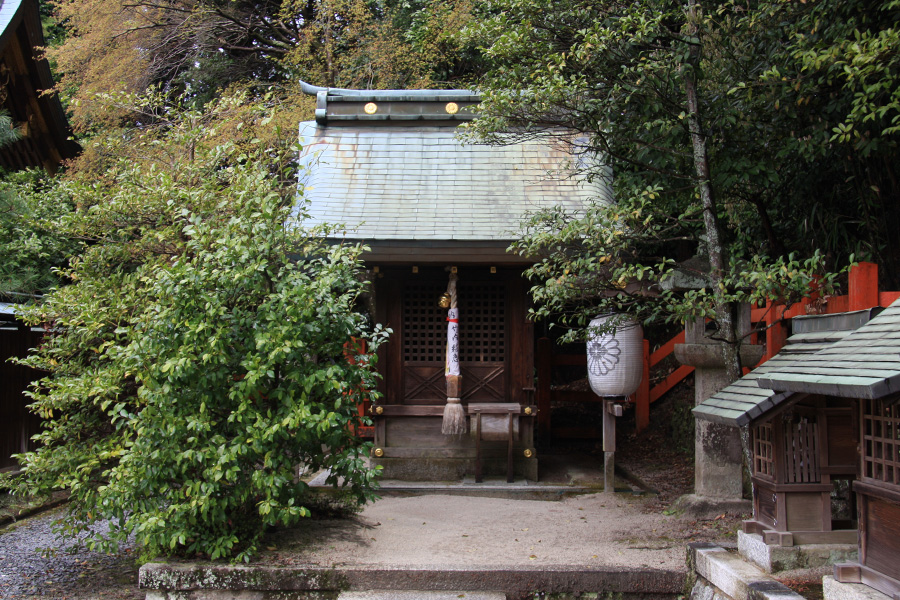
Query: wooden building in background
(46, 136)
(45, 142)
(390, 166)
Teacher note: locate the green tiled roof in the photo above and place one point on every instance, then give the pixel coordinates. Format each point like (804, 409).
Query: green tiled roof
(422, 183)
(865, 364)
(751, 397)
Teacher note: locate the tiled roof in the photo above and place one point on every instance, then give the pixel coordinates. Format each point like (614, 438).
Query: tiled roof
(422, 183)
(864, 364)
(750, 397)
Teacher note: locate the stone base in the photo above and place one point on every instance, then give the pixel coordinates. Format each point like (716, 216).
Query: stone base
(834, 590)
(705, 507)
(206, 581)
(722, 575)
(452, 469)
(772, 559)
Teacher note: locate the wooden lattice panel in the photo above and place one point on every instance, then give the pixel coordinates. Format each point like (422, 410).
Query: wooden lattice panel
(881, 441)
(801, 451)
(482, 323)
(424, 323)
(763, 455)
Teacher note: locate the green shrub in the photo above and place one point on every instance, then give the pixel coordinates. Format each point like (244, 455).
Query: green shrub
(201, 353)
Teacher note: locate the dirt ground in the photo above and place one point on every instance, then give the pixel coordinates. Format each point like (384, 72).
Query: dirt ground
(588, 530)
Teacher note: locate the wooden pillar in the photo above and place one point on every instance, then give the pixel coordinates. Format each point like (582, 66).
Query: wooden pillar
(642, 397)
(863, 286)
(544, 369)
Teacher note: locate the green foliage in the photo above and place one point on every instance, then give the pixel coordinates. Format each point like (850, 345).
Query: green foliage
(617, 258)
(31, 204)
(204, 350)
(8, 134)
(777, 84)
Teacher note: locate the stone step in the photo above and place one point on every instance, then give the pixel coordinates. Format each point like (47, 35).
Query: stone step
(420, 595)
(492, 487)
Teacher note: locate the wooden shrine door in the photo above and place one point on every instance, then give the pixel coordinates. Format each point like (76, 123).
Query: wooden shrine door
(488, 306)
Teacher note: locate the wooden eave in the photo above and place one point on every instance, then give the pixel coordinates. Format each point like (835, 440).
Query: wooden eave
(438, 252)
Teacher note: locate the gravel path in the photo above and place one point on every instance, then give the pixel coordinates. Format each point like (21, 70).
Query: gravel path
(84, 575)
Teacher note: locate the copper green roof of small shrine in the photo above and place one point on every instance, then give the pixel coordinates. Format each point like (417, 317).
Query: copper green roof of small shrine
(750, 397)
(864, 364)
(407, 182)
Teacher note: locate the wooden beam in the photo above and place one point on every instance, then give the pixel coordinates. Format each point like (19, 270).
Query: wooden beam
(544, 369)
(642, 397)
(674, 378)
(666, 349)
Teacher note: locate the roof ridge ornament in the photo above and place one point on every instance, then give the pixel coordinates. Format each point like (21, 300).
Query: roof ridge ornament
(425, 94)
(344, 107)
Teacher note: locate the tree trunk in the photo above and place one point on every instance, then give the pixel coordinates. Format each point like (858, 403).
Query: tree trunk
(725, 314)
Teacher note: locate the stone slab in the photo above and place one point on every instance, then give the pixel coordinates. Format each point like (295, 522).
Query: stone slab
(420, 595)
(707, 507)
(835, 590)
(735, 577)
(773, 559)
(170, 581)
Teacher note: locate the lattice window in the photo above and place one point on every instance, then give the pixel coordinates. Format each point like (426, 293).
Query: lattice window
(763, 455)
(801, 451)
(482, 323)
(881, 441)
(424, 323)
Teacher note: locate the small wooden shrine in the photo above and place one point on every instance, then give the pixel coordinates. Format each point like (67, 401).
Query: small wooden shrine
(804, 446)
(864, 368)
(438, 214)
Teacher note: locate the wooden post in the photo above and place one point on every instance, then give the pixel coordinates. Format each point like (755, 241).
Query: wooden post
(544, 369)
(863, 286)
(642, 397)
(776, 330)
(609, 447)
(478, 467)
(509, 449)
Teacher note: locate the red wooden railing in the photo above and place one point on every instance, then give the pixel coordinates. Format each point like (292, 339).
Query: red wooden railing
(862, 294)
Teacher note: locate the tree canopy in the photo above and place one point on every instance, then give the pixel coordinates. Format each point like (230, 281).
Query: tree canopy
(206, 45)
(798, 143)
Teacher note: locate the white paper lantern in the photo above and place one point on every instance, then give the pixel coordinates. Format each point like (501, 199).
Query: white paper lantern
(615, 360)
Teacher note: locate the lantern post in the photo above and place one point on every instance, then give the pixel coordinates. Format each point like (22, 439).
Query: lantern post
(615, 368)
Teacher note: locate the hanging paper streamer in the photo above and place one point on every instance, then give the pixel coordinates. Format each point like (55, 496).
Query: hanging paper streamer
(454, 422)
(452, 367)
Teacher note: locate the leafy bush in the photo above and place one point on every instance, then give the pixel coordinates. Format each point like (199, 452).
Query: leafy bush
(203, 351)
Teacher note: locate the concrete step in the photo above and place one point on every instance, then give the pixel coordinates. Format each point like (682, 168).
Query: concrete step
(420, 595)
